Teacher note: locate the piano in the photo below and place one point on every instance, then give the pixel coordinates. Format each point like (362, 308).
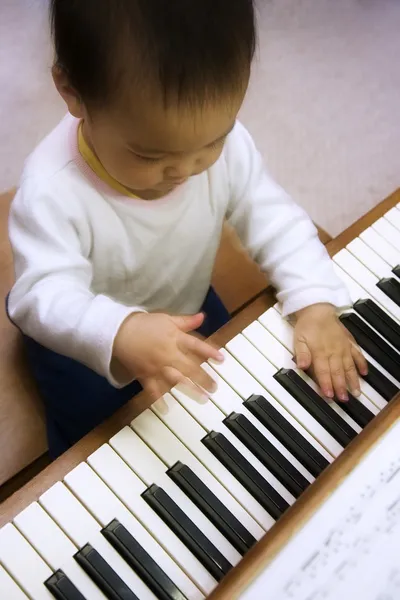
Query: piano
(196, 501)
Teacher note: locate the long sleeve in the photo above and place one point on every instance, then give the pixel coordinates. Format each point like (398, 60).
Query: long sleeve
(277, 232)
(52, 301)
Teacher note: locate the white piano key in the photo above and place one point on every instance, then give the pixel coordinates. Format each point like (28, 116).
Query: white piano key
(208, 468)
(279, 356)
(229, 401)
(387, 231)
(146, 464)
(355, 290)
(56, 549)
(279, 327)
(381, 246)
(102, 503)
(245, 385)
(367, 280)
(127, 486)
(369, 258)
(24, 564)
(371, 395)
(269, 345)
(81, 527)
(9, 588)
(211, 419)
(393, 216)
(264, 371)
(170, 449)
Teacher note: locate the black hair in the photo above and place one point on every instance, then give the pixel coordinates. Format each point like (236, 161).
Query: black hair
(193, 50)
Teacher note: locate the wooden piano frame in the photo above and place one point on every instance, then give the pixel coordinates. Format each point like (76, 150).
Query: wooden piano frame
(264, 551)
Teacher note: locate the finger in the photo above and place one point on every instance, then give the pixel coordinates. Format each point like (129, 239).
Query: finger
(202, 379)
(193, 391)
(338, 377)
(188, 323)
(202, 350)
(172, 376)
(302, 355)
(323, 375)
(153, 389)
(359, 359)
(177, 379)
(350, 370)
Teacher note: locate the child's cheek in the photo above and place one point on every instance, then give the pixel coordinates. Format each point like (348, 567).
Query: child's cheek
(147, 175)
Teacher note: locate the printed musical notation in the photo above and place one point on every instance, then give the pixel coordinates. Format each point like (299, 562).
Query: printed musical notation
(350, 548)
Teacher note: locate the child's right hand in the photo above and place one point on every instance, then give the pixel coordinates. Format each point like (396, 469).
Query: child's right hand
(157, 350)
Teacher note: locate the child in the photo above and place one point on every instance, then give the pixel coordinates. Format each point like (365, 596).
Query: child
(118, 217)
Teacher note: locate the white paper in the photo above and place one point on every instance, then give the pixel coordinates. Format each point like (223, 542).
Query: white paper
(350, 548)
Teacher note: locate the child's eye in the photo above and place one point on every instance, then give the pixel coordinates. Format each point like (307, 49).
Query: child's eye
(148, 158)
(217, 144)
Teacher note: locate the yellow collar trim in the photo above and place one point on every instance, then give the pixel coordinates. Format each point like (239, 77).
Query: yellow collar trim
(91, 159)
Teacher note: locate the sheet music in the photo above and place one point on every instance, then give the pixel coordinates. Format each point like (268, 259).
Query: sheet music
(350, 548)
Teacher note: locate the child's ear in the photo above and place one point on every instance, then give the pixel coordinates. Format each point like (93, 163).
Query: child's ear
(67, 92)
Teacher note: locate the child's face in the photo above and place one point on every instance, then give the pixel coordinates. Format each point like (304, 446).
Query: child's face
(151, 150)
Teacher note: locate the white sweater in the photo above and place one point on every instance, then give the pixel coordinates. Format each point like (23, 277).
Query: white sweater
(86, 256)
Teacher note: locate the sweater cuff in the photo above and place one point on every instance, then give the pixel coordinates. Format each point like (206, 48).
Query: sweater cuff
(340, 299)
(98, 331)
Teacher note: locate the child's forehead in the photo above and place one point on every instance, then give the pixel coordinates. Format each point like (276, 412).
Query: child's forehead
(151, 127)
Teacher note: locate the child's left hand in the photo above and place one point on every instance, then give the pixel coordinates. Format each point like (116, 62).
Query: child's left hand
(323, 344)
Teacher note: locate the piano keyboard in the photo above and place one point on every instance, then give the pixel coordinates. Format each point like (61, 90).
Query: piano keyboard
(172, 502)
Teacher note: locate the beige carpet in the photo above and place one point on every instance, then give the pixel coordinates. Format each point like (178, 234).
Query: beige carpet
(324, 105)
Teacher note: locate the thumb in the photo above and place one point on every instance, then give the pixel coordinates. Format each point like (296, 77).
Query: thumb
(302, 355)
(188, 323)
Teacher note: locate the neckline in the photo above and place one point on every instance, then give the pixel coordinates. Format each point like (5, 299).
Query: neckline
(94, 163)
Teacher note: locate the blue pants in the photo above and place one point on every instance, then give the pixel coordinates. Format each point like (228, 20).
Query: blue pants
(77, 399)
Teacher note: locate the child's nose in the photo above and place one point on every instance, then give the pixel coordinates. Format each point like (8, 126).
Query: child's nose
(181, 170)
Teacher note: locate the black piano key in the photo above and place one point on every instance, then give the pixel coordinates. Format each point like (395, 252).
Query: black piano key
(396, 271)
(357, 411)
(244, 472)
(379, 320)
(212, 507)
(62, 588)
(266, 453)
(141, 562)
(288, 435)
(386, 388)
(316, 406)
(372, 343)
(209, 556)
(391, 287)
(100, 572)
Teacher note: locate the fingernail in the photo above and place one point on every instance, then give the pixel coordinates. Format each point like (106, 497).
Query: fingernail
(214, 387)
(343, 397)
(356, 392)
(364, 372)
(220, 357)
(201, 398)
(328, 393)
